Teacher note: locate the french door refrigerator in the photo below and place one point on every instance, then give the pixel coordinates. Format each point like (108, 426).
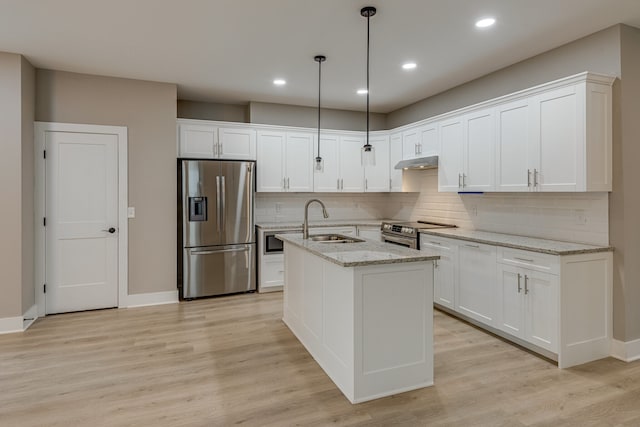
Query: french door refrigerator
(216, 236)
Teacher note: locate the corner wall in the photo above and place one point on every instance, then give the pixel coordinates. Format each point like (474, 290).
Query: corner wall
(28, 107)
(148, 110)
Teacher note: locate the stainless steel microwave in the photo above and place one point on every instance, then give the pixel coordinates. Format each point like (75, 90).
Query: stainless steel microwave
(271, 244)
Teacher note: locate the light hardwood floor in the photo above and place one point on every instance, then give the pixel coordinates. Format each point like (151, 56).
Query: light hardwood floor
(229, 361)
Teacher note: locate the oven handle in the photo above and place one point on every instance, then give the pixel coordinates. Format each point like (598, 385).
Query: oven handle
(411, 243)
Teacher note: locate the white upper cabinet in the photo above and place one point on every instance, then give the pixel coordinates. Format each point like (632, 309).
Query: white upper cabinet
(466, 161)
(236, 144)
(429, 144)
(376, 177)
(411, 143)
(350, 161)
(395, 155)
(197, 141)
(209, 141)
(285, 161)
(450, 162)
(557, 140)
(514, 162)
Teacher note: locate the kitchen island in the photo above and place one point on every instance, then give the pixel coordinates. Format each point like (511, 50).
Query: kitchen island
(364, 311)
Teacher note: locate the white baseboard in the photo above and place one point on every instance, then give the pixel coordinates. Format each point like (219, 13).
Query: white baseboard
(153, 298)
(9, 325)
(627, 351)
(29, 317)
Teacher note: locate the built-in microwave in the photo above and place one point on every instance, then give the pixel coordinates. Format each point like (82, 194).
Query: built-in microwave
(271, 244)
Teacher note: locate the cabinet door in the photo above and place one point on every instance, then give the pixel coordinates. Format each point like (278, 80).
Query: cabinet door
(410, 143)
(450, 165)
(513, 138)
(376, 178)
(351, 169)
(237, 144)
(541, 311)
(271, 272)
(270, 164)
(510, 316)
(327, 181)
(558, 140)
(299, 162)
(428, 144)
(395, 155)
(444, 277)
(197, 141)
(479, 153)
(367, 232)
(477, 282)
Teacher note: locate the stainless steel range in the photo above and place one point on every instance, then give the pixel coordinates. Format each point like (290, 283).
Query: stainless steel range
(407, 233)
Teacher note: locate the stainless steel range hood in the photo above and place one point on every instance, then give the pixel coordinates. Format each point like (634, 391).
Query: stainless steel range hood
(428, 162)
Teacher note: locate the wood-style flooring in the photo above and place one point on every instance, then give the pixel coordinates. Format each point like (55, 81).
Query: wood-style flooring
(231, 361)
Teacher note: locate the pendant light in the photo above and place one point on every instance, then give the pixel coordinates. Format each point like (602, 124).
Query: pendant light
(368, 154)
(319, 165)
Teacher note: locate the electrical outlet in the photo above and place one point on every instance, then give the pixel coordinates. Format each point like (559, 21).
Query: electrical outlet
(580, 217)
(278, 207)
(131, 212)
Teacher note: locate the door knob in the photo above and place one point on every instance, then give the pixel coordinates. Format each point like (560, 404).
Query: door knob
(110, 230)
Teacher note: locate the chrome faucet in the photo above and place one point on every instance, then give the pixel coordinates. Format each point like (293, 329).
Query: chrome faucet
(305, 224)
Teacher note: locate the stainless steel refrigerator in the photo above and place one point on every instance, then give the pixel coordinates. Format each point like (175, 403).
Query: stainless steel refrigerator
(216, 235)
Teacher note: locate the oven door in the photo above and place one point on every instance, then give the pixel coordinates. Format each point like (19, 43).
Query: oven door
(407, 242)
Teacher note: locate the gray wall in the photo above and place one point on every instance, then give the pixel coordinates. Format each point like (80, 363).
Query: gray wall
(213, 111)
(295, 115)
(10, 187)
(28, 105)
(598, 52)
(624, 206)
(148, 110)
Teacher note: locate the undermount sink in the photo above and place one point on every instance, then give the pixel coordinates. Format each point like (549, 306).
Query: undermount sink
(334, 238)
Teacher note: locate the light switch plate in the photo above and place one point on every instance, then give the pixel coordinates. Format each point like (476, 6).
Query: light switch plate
(131, 212)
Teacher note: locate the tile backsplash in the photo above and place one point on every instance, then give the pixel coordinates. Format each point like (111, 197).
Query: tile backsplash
(576, 217)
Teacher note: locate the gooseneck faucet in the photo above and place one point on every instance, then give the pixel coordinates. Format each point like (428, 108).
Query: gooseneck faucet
(305, 224)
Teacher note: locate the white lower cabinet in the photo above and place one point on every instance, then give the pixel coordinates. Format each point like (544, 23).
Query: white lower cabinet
(528, 305)
(477, 282)
(445, 269)
(557, 305)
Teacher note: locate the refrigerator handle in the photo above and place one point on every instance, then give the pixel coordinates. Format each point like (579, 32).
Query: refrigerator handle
(218, 203)
(223, 207)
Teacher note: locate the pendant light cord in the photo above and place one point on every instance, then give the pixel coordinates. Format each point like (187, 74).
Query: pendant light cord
(368, 18)
(319, 83)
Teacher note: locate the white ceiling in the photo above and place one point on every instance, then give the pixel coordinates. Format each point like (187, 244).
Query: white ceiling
(231, 50)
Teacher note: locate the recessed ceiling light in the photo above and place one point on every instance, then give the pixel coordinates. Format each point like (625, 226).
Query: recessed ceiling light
(362, 91)
(485, 22)
(279, 82)
(409, 65)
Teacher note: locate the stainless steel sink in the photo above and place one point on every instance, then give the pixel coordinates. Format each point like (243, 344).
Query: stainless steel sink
(334, 238)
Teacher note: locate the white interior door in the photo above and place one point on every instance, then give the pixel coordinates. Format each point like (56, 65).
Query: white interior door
(81, 211)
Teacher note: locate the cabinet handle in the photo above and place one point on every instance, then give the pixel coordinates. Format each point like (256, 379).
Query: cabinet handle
(366, 184)
(522, 259)
(415, 148)
(435, 243)
(342, 183)
(464, 180)
(338, 184)
(526, 284)
(473, 246)
(459, 180)
(528, 177)
(535, 177)
(519, 287)
(215, 150)
(220, 151)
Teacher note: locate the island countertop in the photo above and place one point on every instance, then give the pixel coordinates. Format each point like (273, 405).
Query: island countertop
(368, 252)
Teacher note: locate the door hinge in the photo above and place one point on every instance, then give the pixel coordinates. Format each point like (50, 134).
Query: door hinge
(45, 154)
(44, 287)
(44, 221)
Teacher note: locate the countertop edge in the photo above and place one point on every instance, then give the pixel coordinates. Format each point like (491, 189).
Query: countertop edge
(521, 247)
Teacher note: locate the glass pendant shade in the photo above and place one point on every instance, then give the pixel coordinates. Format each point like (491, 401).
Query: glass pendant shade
(368, 155)
(319, 165)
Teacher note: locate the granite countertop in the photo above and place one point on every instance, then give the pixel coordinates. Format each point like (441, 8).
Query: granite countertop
(369, 252)
(297, 225)
(533, 244)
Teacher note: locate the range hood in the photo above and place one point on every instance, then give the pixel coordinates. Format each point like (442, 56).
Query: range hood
(428, 162)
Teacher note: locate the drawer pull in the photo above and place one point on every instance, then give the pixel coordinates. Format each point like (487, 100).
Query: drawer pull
(523, 259)
(435, 243)
(519, 286)
(473, 246)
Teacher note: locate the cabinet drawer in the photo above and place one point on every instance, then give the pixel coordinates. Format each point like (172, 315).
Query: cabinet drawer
(532, 260)
(429, 241)
(271, 271)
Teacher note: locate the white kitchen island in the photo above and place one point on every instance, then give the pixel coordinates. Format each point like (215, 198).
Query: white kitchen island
(364, 311)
